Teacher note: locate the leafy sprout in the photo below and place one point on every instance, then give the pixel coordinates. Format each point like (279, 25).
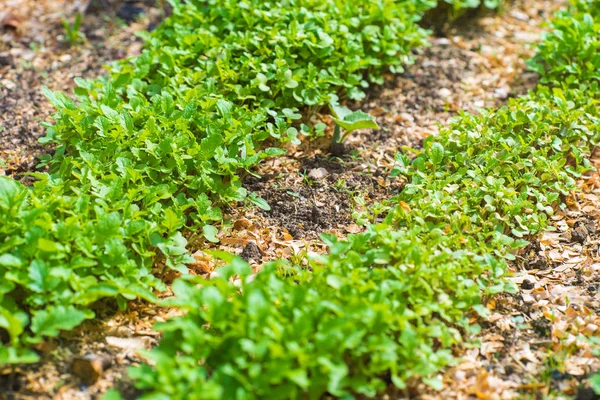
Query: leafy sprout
(349, 121)
(73, 32)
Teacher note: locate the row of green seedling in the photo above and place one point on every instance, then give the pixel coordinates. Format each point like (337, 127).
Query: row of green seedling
(388, 306)
(147, 157)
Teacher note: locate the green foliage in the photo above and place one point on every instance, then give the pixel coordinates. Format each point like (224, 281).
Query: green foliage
(284, 53)
(73, 34)
(154, 150)
(571, 51)
(390, 302)
(349, 121)
(59, 254)
(443, 13)
(594, 380)
(458, 7)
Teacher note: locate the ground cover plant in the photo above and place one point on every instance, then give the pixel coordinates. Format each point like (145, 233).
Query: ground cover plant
(388, 304)
(156, 148)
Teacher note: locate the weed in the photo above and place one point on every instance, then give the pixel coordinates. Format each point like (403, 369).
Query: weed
(73, 34)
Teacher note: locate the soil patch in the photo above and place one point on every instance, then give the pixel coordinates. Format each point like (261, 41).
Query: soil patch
(319, 196)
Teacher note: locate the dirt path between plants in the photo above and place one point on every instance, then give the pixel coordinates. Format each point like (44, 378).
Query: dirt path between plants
(481, 64)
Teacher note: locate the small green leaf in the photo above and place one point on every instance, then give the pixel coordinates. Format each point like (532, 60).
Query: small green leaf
(355, 120)
(261, 203)
(51, 321)
(210, 233)
(437, 153)
(8, 260)
(435, 383)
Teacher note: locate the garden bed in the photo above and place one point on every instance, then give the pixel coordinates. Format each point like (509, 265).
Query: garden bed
(310, 193)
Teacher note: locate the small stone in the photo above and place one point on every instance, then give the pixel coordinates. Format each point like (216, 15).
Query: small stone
(444, 93)
(132, 344)
(527, 285)
(521, 16)
(441, 42)
(251, 252)
(317, 173)
(27, 55)
(90, 368)
(7, 83)
(65, 58)
(502, 93)
(527, 37)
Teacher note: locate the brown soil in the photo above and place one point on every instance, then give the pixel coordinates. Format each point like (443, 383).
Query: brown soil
(307, 206)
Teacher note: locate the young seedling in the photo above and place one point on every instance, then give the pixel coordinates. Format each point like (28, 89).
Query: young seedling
(73, 35)
(349, 121)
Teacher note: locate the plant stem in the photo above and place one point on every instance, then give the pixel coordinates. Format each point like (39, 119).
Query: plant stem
(337, 134)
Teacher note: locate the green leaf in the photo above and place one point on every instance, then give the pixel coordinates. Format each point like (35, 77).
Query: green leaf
(437, 153)
(290, 82)
(112, 394)
(334, 281)
(10, 192)
(482, 310)
(13, 322)
(51, 321)
(210, 233)
(49, 246)
(258, 201)
(12, 356)
(435, 383)
(339, 111)
(8, 260)
(595, 383)
(172, 221)
(356, 120)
